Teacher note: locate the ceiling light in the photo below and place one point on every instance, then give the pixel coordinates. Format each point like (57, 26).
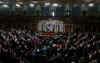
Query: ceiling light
(55, 5)
(1, 2)
(34, 1)
(5, 6)
(18, 5)
(20, 2)
(47, 4)
(31, 5)
(91, 5)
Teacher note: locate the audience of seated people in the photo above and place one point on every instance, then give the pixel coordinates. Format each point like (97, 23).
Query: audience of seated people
(19, 45)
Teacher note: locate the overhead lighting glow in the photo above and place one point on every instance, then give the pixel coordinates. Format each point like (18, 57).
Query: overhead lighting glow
(20, 2)
(31, 5)
(18, 5)
(55, 5)
(47, 4)
(5, 6)
(1, 2)
(35, 1)
(91, 5)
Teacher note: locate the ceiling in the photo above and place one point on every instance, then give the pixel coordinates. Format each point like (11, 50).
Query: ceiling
(59, 1)
(62, 1)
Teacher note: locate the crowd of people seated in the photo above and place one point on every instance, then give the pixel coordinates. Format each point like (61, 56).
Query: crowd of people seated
(24, 46)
